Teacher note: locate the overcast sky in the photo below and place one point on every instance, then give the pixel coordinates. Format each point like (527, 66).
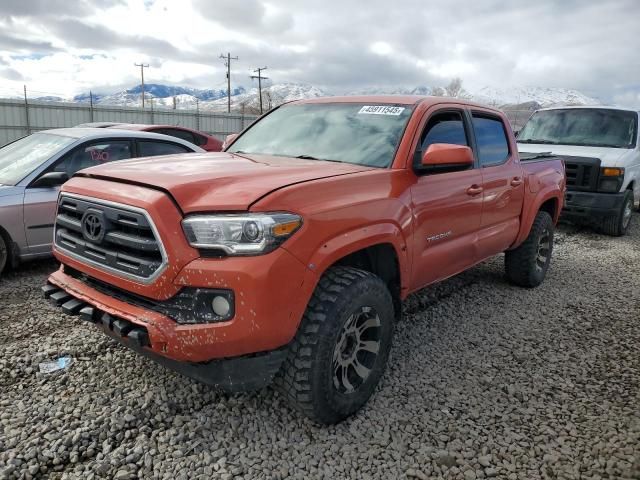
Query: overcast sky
(64, 47)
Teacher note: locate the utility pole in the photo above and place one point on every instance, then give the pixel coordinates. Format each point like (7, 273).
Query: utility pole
(26, 111)
(260, 78)
(91, 105)
(197, 114)
(227, 58)
(142, 67)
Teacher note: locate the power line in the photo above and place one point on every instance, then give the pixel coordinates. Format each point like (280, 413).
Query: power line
(260, 78)
(227, 63)
(142, 67)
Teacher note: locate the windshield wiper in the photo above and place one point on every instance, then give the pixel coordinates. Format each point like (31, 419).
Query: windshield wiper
(535, 140)
(310, 157)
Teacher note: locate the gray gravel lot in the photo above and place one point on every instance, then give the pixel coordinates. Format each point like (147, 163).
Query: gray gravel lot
(485, 380)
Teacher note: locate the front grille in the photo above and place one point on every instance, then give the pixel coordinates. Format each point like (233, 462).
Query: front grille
(582, 173)
(113, 237)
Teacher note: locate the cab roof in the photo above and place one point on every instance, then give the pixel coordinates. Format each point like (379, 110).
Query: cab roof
(393, 99)
(100, 133)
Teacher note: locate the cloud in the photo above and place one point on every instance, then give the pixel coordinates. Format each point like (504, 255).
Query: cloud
(37, 8)
(11, 43)
(11, 74)
(246, 15)
(341, 45)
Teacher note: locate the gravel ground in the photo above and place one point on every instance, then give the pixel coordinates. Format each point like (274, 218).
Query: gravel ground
(485, 380)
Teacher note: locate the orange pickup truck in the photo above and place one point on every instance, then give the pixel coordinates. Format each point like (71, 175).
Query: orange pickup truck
(286, 258)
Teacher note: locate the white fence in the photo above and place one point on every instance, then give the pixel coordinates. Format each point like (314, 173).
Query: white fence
(18, 118)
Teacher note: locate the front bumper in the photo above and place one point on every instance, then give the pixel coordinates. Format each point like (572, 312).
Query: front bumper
(591, 206)
(238, 374)
(244, 351)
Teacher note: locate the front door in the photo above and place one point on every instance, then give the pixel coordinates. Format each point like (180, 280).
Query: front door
(447, 206)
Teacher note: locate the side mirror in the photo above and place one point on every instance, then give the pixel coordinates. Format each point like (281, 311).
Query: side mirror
(50, 179)
(229, 140)
(516, 133)
(447, 156)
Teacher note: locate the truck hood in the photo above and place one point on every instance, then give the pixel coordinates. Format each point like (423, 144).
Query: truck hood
(610, 157)
(203, 182)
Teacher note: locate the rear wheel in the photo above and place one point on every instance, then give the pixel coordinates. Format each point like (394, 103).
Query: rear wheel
(527, 265)
(618, 224)
(341, 348)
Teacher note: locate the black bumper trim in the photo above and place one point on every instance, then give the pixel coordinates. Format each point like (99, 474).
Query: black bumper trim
(592, 205)
(234, 374)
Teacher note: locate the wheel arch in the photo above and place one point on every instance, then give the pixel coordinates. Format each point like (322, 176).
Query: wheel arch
(379, 249)
(547, 201)
(12, 257)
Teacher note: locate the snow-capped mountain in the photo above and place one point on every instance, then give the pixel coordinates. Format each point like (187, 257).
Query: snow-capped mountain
(421, 90)
(543, 96)
(242, 99)
(272, 96)
(161, 95)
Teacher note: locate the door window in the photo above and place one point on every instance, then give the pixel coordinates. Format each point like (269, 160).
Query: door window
(178, 133)
(445, 127)
(493, 146)
(148, 148)
(94, 153)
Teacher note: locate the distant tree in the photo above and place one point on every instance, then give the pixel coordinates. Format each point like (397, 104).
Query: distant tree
(270, 99)
(438, 92)
(454, 89)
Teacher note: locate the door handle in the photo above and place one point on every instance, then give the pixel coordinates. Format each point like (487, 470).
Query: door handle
(516, 181)
(474, 190)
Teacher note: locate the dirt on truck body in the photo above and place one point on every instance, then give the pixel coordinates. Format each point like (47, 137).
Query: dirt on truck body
(286, 257)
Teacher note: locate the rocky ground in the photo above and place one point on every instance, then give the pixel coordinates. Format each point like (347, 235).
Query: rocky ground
(485, 380)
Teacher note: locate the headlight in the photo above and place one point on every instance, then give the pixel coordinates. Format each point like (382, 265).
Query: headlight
(611, 179)
(240, 234)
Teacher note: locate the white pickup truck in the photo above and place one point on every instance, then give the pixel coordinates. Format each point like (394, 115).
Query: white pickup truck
(601, 150)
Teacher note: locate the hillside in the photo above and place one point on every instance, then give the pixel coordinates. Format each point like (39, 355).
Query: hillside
(247, 100)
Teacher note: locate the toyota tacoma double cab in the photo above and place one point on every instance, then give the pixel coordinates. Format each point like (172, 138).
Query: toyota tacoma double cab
(286, 258)
(601, 150)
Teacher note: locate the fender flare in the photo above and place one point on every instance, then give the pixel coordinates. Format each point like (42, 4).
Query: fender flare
(352, 241)
(529, 214)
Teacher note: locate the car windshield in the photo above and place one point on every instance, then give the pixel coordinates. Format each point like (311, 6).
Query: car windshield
(340, 132)
(20, 158)
(597, 127)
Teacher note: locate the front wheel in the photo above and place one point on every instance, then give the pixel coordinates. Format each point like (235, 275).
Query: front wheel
(341, 348)
(618, 224)
(527, 265)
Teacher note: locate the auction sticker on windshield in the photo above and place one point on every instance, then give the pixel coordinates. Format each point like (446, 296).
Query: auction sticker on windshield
(381, 110)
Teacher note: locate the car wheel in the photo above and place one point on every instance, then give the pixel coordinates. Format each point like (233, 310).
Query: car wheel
(618, 225)
(4, 254)
(527, 265)
(341, 348)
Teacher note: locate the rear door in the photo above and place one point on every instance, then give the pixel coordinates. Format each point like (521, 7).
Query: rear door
(178, 133)
(447, 206)
(40, 202)
(152, 148)
(503, 184)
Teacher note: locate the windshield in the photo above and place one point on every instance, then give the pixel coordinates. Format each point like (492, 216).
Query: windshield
(596, 127)
(343, 132)
(20, 158)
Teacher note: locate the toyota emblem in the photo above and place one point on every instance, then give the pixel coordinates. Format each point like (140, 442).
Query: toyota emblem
(93, 227)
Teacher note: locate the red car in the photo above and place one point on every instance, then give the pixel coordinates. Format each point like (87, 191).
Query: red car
(203, 140)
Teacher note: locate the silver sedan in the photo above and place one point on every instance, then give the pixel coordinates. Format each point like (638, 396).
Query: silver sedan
(33, 168)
